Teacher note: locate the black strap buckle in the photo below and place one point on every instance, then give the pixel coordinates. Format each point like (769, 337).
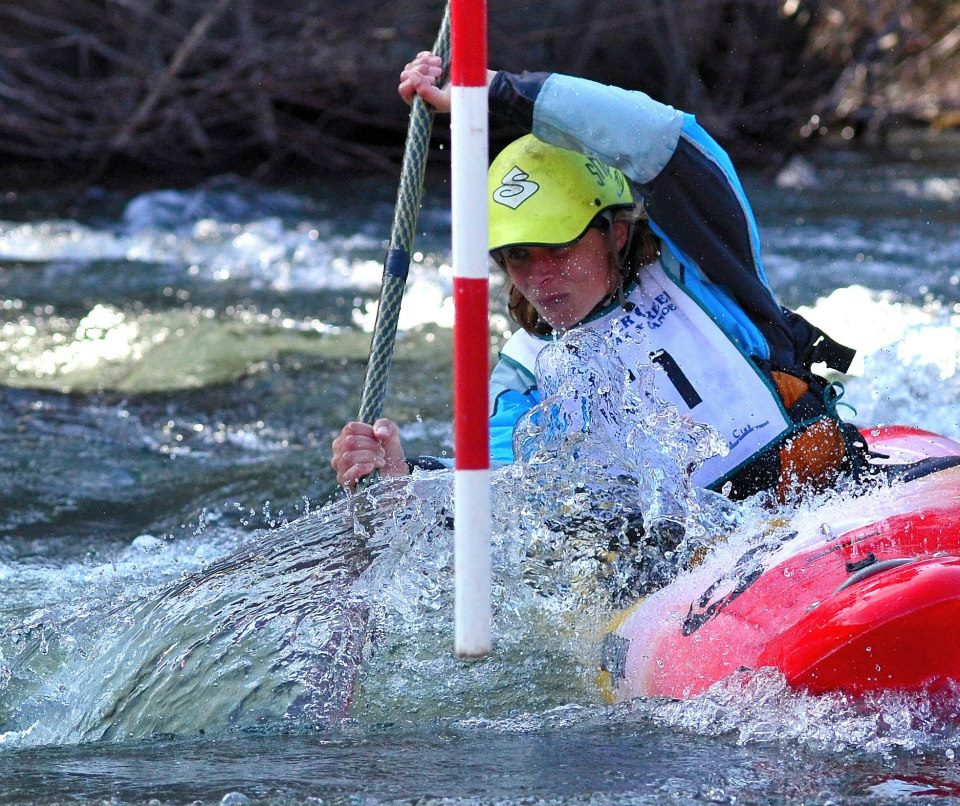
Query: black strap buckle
(824, 350)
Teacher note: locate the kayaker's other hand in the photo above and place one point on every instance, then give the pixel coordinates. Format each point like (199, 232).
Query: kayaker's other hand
(360, 449)
(420, 77)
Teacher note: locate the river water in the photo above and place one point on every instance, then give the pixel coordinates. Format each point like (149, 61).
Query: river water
(191, 610)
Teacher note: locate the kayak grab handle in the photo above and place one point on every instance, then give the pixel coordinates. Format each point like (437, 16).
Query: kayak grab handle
(873, 568)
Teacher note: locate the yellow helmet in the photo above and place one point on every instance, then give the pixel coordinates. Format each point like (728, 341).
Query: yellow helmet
(542, 195)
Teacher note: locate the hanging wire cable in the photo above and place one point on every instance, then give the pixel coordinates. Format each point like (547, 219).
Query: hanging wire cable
(397, 262)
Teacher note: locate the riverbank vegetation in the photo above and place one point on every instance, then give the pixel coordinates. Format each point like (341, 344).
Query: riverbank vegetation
(174, 87)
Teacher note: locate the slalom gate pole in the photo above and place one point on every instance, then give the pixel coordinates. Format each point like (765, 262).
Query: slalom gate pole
(397, 263)
(471, 339)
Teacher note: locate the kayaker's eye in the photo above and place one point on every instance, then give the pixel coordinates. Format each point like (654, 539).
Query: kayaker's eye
(515, 256)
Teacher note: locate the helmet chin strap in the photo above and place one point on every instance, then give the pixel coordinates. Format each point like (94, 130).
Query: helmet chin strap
(624, 264)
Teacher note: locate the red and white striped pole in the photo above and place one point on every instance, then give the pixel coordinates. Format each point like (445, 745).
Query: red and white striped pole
(471, 339)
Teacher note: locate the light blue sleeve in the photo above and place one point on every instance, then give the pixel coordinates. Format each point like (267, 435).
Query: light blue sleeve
(623, 128)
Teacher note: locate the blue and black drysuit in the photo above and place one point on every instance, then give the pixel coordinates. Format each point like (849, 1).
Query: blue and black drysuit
(697, 207)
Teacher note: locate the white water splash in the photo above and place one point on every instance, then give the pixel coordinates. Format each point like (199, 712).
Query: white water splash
(759, 707)
(596, 426)
(908, 367)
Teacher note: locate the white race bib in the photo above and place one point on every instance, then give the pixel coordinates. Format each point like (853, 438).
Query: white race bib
(701, 371)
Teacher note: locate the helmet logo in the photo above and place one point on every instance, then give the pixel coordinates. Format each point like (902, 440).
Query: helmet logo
(602, 172)
(515, 188)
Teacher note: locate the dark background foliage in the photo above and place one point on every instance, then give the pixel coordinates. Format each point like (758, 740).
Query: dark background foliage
(181, 87)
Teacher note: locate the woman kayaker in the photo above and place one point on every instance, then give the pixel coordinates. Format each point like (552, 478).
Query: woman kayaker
(621, 214)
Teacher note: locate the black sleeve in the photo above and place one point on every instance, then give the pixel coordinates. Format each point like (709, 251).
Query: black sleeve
(692, 201)
(426, 463)
(512, 96)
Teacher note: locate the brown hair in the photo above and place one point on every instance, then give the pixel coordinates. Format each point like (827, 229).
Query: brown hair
(644, 248)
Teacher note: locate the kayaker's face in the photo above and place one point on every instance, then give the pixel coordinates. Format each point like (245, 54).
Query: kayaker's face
(565, 283)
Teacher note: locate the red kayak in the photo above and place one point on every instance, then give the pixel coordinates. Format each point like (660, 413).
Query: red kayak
(861, 595)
